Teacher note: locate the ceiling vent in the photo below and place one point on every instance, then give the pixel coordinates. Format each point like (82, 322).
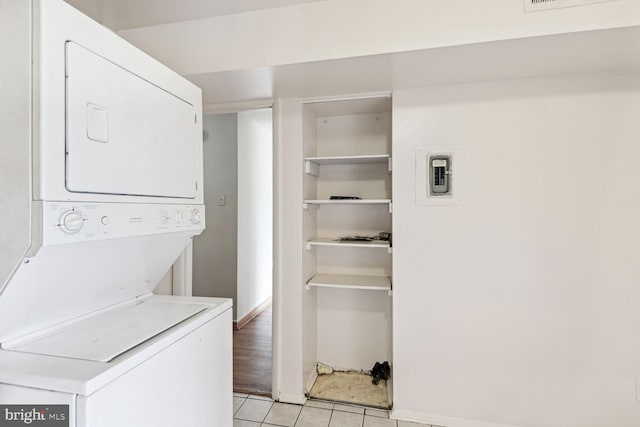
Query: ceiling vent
(536, 5)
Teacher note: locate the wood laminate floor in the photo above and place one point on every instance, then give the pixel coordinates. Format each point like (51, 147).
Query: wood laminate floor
(252, 356)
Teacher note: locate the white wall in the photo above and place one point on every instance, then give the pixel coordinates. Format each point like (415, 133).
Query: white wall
(520, 305)
(288, 239)
(325, 30)
(215, 250)
(255, 210)
(354, 328)
(165, 286)
(233, 257)
(16, 124)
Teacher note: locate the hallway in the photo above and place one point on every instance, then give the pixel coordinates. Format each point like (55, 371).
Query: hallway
(252, 356)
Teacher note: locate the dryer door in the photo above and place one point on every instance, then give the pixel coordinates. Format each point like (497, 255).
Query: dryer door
(125, 135)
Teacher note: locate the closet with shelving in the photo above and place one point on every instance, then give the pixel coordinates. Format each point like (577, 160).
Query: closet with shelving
(347, 248)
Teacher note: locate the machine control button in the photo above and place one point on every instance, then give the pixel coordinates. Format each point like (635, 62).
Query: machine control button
(196, 216)
(71, 222)
(105, 220)
(178, 217)
(164, 218)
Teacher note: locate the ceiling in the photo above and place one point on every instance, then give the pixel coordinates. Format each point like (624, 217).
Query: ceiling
(125, 14)
(601, 51)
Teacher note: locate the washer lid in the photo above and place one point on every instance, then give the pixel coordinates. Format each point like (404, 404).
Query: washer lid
(105, 336)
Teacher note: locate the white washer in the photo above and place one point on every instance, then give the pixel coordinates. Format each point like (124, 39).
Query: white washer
(159, 361)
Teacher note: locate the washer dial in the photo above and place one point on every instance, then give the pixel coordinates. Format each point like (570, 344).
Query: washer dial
(71, 222)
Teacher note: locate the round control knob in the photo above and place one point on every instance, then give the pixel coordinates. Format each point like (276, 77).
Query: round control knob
(105, 220)
(178, 217)
(71, 222)
(196, 216)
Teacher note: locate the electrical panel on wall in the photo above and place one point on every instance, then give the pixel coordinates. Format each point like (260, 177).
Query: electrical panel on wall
(439, 174)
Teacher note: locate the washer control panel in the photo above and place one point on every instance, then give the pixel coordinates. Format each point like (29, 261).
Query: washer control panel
(71, 222)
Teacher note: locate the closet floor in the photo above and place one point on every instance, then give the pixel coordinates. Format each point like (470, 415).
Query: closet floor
(351, 387)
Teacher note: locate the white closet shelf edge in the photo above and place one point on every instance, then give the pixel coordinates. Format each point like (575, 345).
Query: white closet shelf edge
(350, 281)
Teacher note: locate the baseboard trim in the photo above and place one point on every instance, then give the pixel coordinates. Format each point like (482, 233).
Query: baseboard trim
(313, 376)
(295, 398)
(390, 391)
(420, 417)
(253, 392)
(252, 314)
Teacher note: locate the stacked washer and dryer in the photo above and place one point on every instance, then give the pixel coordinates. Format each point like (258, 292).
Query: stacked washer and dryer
(100, 191)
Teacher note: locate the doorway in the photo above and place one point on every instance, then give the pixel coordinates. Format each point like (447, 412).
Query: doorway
(233, 257)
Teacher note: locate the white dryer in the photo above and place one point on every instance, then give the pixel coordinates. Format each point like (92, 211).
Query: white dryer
(100, 191)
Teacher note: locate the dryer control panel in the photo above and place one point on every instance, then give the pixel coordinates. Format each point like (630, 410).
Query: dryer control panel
(71, 222)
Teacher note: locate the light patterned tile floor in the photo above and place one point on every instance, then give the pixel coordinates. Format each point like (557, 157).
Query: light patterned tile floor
(258, 411)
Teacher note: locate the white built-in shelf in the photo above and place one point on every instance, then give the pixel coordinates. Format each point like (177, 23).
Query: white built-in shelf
(328, 241)
(348, 201)
(350, 281)
(349, 160)
(308, 203)
(312, 164)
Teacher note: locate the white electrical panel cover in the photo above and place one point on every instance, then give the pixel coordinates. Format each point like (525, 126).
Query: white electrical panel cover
(117, 143)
